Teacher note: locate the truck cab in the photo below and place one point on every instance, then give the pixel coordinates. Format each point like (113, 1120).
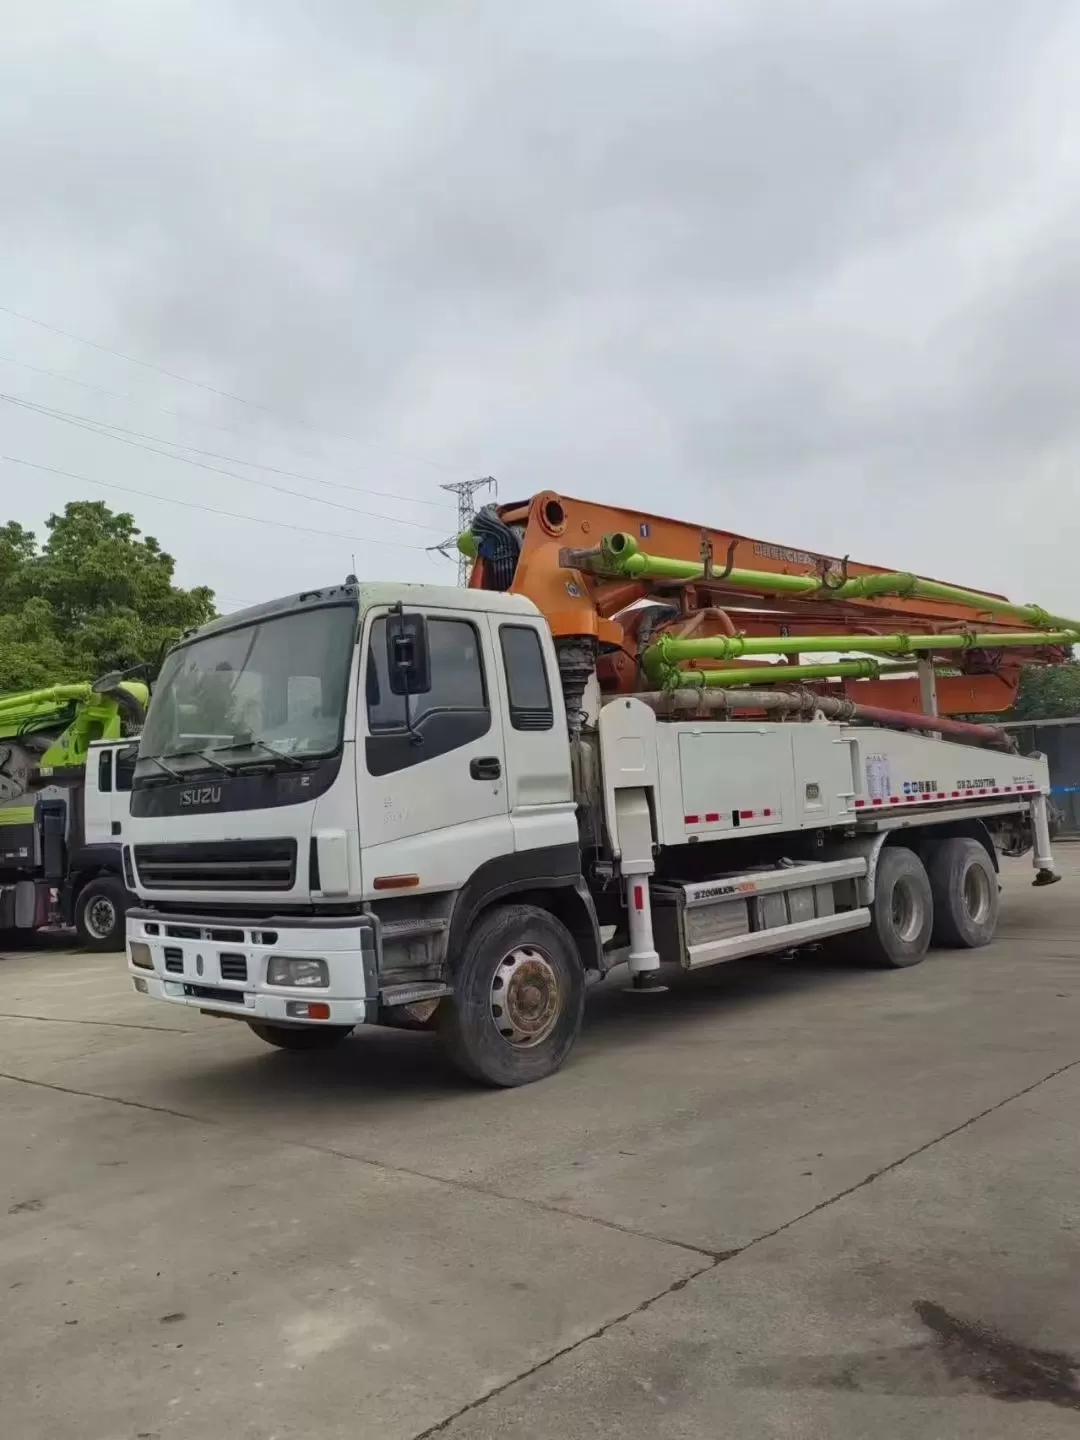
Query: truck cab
(324, 808)
(95, 896)
(62, 855)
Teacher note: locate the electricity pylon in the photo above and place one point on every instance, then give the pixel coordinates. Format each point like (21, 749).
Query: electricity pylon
(465, 490)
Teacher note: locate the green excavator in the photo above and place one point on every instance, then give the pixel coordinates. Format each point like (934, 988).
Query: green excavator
(67, 754)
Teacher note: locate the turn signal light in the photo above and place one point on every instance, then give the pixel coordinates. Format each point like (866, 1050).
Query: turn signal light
(307, 1010)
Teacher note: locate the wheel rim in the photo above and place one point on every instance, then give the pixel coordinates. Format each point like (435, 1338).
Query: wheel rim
(100, 918)
(908, 911)
(978, 898)
(525, 997)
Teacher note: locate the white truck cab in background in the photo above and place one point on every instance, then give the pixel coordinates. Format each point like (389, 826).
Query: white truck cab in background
(63, 863)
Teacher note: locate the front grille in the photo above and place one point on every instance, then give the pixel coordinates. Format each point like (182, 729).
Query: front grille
(218, 865)
(174, 960)
(201, 932)
(233, 967)
(214, 992)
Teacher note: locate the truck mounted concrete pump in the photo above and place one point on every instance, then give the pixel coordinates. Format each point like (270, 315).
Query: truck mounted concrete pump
(417, 805)
(67, 757)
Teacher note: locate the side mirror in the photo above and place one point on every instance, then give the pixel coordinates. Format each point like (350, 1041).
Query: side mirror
(408, 660)
(106, 684)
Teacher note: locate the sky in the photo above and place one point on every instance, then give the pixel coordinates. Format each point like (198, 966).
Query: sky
(271, 273)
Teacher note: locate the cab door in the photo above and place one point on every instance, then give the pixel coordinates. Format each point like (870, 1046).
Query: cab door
(98, 796)
(539, 781)
(431, 783)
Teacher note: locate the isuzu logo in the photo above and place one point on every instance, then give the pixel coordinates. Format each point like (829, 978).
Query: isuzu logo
(204, 795)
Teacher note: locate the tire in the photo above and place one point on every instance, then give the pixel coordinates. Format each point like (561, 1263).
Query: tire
(966, 896)
(902, 914)
(518, 999)
(289, 1037)
(100, 911)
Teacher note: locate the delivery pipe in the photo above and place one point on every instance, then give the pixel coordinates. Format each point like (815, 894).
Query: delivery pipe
(619, 555)
(833, 707)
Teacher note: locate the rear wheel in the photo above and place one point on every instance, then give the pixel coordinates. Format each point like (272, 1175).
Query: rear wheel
(902, 914)
(965, 889)
(288, 1037)
(518, 999)
(99, 914)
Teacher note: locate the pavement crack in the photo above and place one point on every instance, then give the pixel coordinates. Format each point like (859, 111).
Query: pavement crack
(475, 1188)
(109, 1099)
(449, 1181)
(719, 1257)
(911, 1155)
(112, 1024)
(596, 1334)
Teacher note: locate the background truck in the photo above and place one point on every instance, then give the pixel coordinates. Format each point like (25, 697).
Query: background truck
(67, 758)
(380, 803)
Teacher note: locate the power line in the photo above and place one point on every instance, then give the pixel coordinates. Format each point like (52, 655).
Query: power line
(214, 425)
(210, 509)
(465, 490)
(213, 389)
(232, 599)
(102, 428)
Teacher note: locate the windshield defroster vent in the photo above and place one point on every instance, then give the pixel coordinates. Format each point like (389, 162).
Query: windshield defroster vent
(218, 865)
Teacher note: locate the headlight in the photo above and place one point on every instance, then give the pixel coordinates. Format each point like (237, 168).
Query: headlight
(140, 955)
(282, 970)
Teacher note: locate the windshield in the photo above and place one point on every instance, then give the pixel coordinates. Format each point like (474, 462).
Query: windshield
(278, 687)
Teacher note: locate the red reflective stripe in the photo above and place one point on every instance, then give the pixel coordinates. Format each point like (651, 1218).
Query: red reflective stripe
(691, 819)
(746, 814)
(910, 798)
(859, 804)
(877, 800)
(894, 799)
(766, 812)
(955, 795)
(639, 897)
(712, 817)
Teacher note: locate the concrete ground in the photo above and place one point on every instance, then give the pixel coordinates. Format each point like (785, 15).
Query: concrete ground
(780, 1200)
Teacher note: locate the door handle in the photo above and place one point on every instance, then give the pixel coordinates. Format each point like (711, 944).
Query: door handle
(485, 768)
(115, 827)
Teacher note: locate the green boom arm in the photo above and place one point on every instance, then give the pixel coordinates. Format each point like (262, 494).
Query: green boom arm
(71, 716)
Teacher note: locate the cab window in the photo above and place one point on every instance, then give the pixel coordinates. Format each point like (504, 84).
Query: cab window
(454, 712)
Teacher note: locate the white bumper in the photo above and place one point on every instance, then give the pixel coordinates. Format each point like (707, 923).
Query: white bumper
(220, 965)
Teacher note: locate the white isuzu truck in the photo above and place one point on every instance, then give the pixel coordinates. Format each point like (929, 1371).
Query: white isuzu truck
(383, 803)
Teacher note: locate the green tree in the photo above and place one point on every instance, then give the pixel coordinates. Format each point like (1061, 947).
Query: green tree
(1048, 692)
(96, 596)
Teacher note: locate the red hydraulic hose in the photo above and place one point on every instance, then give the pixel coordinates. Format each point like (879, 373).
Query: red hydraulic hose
(974, 734)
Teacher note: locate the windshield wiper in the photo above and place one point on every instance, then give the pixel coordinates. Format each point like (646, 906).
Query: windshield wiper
(157, 760)
(250, 743)
(200, 754)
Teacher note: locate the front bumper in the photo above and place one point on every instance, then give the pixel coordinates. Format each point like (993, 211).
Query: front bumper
(217, 965)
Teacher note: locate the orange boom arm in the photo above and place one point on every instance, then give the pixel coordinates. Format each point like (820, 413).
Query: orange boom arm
(615, 583)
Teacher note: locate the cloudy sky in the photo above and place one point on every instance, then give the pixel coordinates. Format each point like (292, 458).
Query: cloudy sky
(806, 271)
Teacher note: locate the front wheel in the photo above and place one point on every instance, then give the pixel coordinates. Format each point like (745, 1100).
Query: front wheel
(290, 1037)
(518, 999)
(99, 914)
